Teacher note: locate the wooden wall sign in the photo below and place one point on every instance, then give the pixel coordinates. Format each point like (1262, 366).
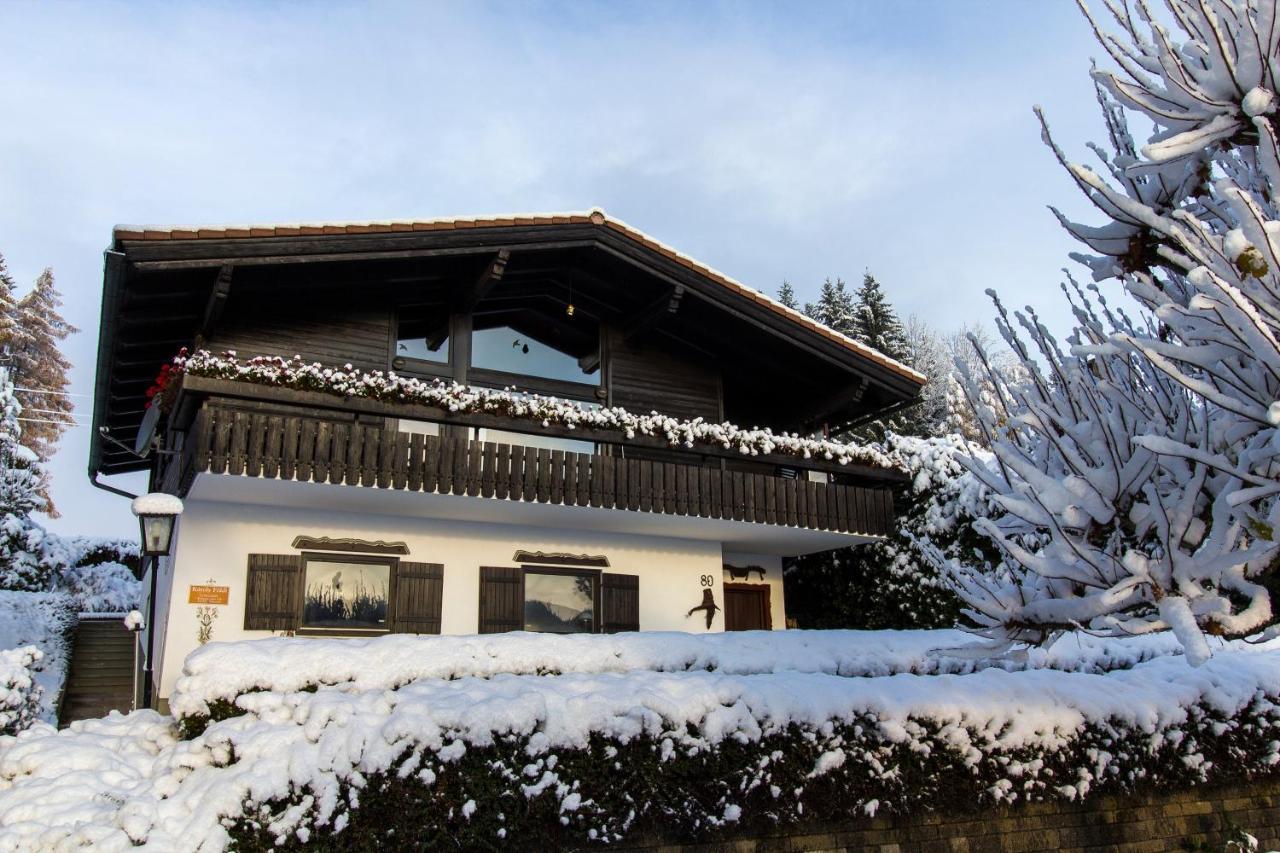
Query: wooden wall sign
(207, 594)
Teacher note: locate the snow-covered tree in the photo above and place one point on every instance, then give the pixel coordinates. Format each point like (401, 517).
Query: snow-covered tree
(787, 296)
(42, 370)
(895, 583)
(834, 308)
(24, 563)
(875, 323)
(1137, 469)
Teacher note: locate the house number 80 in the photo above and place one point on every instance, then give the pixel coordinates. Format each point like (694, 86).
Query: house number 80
(708, 580)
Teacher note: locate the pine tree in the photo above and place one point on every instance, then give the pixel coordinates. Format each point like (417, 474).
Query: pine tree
(787, 296)
(7, 313)
(876, 324)
(834, 308)
(23, 562)
(42, 370)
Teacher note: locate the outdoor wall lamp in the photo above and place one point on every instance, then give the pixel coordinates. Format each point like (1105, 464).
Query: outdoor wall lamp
(156, 514)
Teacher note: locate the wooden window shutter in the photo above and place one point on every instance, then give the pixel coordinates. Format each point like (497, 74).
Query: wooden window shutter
(619, 603)
(419, 595)
(273, 592)
(501, 599)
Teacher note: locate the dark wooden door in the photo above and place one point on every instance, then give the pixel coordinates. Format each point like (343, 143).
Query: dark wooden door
(746, 607)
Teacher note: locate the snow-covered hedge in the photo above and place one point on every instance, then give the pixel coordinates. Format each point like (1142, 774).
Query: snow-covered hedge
(347, 381)
(101, 588)
(44, 620)
(216, 675)
(548, 762)
(20, 691)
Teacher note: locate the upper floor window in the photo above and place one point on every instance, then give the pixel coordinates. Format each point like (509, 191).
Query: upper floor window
(512, 351)
(418, 330)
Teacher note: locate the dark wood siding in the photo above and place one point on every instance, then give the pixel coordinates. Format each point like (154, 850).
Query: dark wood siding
(644, 378)
(419, 596)
(272, 592)
(332, 336)
(501, 599)
(619, 603)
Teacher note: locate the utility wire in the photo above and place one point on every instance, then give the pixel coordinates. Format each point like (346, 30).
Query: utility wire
(42, 391)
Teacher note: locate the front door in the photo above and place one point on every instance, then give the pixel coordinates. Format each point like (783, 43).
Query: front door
(746, 607)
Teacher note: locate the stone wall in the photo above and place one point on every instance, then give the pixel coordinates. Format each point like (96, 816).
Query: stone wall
(1195, 819)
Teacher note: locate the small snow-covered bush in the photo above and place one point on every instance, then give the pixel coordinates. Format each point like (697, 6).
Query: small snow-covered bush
(44, 620)
(20, 692)
(102, 588)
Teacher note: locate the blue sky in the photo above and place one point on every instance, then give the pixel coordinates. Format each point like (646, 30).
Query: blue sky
(770, 140)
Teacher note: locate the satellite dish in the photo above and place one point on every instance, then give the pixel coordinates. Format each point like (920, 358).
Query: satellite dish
(147, 431)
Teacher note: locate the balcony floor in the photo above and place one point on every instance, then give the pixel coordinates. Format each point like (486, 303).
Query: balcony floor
(751, 537)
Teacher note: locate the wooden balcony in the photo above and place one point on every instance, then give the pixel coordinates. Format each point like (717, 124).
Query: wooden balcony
(248, 438)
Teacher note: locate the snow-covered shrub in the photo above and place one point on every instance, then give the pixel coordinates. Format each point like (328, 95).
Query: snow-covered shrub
(101, 588)
(44, 620)
(20, 691)
(217, 675)
(1138, 472)
(896, 582)
(81, 551)
(556, 761)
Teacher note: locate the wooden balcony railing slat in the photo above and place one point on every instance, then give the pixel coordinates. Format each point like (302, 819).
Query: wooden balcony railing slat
(475, 463)
(260, 443)
(556, 494)
(306, 449)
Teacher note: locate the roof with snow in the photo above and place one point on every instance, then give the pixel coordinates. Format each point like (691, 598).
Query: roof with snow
(165, 287)
(595, 216)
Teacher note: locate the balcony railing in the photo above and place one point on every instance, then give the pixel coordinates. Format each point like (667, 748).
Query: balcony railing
(238, 439)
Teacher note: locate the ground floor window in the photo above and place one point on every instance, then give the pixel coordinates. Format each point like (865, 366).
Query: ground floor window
(561, 601)
(343, 593)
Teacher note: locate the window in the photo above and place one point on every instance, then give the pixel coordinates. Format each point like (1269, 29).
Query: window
(341, 593)
(412, 332)
(560, 602)
(510, 351)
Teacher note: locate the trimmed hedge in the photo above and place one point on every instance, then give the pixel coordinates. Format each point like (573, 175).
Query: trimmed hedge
(678, 788)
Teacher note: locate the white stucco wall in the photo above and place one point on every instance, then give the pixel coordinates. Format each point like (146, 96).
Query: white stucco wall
(216, 537)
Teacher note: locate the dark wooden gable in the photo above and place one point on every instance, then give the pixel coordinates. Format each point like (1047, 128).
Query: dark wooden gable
(681, 341)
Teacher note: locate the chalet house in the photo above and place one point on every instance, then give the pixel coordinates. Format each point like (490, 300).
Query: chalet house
(347, 503)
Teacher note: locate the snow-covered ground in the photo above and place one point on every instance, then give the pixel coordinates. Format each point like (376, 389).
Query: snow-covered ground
(122, 781)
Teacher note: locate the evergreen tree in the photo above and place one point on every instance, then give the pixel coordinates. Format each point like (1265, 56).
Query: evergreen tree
(42, 370)
(876, 324)
(834, 308)
(7, 312)
(24, 565)
(787, 296)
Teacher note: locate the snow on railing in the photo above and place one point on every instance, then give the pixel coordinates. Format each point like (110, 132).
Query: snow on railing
(348, 381)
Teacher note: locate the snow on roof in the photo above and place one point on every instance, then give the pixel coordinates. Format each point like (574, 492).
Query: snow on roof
(594, 216)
